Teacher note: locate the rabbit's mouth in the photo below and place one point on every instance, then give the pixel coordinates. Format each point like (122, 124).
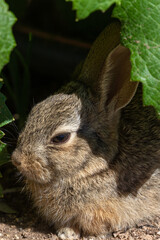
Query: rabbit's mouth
(40, 175)
(32, 168)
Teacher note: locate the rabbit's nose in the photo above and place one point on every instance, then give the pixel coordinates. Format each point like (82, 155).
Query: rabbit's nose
(16, 159)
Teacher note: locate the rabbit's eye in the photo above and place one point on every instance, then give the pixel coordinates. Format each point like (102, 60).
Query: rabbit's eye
(61, 138)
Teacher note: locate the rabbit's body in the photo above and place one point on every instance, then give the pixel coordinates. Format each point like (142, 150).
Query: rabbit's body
(90, 165)
(104, 193)
(75, 204)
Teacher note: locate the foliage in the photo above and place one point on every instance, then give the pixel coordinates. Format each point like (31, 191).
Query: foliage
(7, 43)
(5, 118)
(17, 83)
(85, 7)
(140, 33)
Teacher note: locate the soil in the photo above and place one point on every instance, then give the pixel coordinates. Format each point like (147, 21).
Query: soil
(29, 227)
(25, 224)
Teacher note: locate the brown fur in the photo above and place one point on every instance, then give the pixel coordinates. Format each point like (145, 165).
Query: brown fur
(106, 177)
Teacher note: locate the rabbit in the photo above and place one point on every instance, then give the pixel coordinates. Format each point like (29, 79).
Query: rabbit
(90, 153)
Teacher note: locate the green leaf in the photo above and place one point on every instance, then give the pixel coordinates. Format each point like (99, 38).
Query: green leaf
(1, 191)
(1, 82)
(7, 42)
(5, 115)
(5, 208)
(3, 153)
(141, 34)
(85, 7)
(5, 118)
(1, 134)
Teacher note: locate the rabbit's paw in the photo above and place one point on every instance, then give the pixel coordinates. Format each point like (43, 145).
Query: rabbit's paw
(68, 233)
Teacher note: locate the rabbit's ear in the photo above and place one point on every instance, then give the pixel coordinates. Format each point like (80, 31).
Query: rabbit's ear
(93, 64)
(106, 71)
(116, 88)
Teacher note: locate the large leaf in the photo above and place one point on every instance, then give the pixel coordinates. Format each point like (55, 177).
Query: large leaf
(5, 118)
(5, 208)
(7, 42)
(3, 153)
(141, 34)
(85, 7)
(5, 115)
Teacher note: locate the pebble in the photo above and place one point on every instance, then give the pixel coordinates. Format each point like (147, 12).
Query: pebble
(130, 238)
(1, 235)
(17, 219)
(148, 237)
(16, 237)
(54, 237)
(158, 233)
(24, 235)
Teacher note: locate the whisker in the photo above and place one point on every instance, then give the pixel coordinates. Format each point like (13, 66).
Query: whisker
(9, 144)
(15, 127)
(33, 102)
(20, 177)
(9, 161)
(7, 131)
(8, 140)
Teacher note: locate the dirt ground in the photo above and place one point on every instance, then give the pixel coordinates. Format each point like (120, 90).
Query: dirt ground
(25, 224)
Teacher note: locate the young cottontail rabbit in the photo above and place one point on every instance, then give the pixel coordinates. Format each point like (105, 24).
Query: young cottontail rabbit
(90, 155)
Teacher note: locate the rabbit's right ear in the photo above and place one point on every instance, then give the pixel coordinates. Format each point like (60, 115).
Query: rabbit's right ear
(106, 71)
(117, 90)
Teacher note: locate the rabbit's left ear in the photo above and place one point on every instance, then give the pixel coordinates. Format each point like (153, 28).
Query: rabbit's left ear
(106, 71)
(117, 89)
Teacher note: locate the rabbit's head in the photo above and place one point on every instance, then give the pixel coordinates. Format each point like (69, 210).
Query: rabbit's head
(75, 131)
